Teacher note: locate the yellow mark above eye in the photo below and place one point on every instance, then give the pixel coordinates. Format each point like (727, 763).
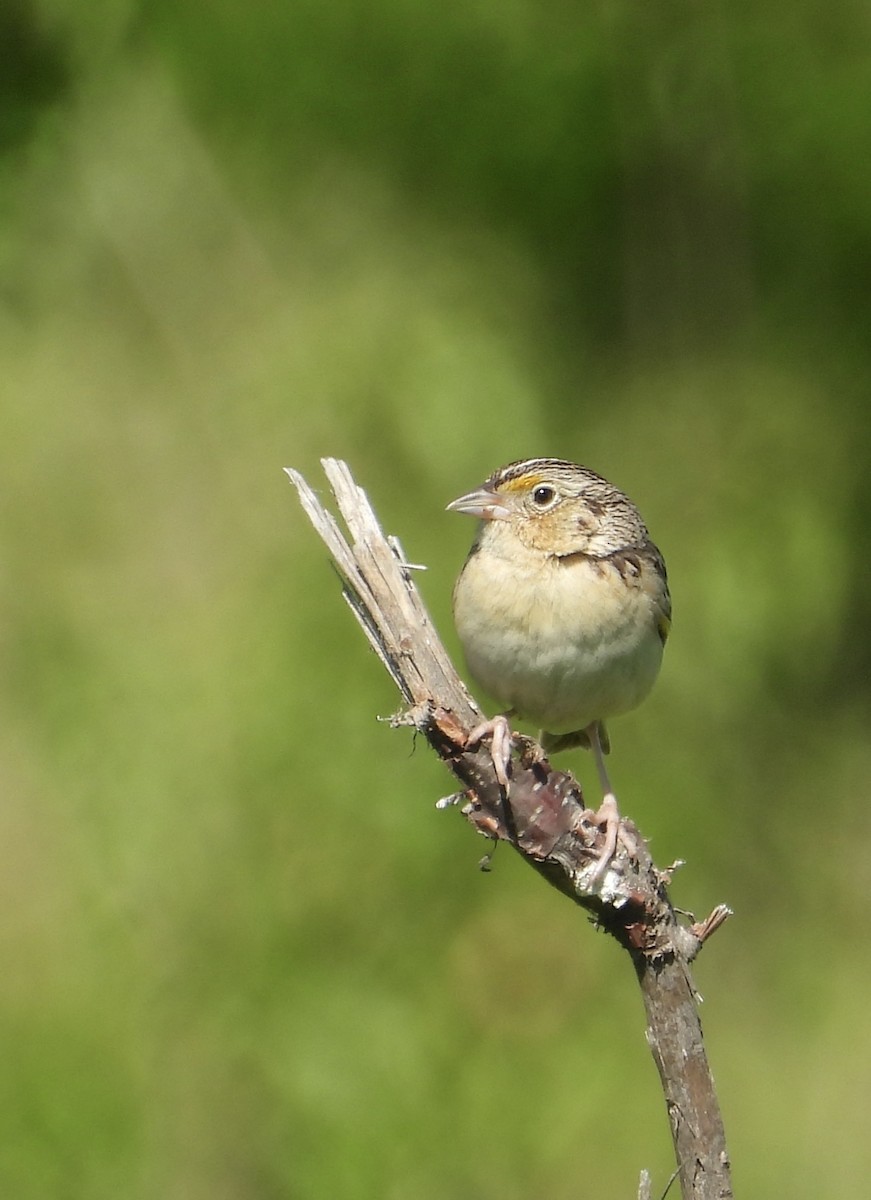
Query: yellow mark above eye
(521, 484)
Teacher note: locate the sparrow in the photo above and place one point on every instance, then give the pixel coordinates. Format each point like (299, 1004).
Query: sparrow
(562, 609)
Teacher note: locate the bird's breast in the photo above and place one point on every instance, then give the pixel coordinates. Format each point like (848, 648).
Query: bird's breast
(561, 641)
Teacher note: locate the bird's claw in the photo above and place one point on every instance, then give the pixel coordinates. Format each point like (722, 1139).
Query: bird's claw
(499, 732)
(609, 816)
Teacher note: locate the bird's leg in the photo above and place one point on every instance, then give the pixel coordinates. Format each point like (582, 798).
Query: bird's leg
(499, 732)
(608, 813)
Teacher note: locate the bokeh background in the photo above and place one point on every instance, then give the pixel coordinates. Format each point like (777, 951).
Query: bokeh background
(242, 956)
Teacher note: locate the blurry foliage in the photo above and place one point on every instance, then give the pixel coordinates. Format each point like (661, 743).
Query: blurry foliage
(34, 71)
(242, 955)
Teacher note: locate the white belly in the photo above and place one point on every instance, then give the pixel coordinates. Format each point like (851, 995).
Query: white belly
(564, 644)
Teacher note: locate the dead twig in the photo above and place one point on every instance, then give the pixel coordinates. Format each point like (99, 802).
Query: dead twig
(543, 817)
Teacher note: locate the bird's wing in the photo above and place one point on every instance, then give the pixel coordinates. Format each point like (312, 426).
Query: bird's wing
(661, 597)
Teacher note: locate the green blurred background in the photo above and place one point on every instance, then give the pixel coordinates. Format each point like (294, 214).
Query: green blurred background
(242, 955)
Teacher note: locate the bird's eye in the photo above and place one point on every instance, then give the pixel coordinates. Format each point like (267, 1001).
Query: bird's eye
(543, 496)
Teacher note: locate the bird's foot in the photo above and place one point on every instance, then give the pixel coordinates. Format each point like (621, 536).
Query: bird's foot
(499, 732)
(608, 816)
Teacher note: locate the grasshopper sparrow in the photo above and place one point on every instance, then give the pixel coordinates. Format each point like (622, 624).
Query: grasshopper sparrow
(562, 609)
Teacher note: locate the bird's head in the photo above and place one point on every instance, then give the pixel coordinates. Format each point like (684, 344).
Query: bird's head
(555, 507)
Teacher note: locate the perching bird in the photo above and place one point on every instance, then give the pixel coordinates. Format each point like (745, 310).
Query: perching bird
(562, 608)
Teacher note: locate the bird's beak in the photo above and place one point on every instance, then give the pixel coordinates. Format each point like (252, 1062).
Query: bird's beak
(487, 505)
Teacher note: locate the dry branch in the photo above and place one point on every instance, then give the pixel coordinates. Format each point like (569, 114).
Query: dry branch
(544, 818)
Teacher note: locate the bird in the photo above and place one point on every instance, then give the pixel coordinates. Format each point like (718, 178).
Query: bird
(562, 609)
